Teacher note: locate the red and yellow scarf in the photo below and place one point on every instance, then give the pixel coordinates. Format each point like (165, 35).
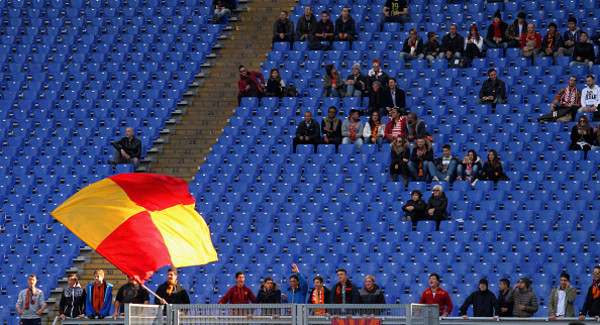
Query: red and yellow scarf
(318, 298)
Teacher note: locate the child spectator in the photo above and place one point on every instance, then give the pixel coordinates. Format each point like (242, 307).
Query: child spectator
(431, 48)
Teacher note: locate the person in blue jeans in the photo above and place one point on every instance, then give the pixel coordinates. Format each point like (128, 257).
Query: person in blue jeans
(421, 156)
(469, 169)
(444, 167)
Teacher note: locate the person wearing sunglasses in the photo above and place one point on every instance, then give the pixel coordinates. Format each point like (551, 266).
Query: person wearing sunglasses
(582, 135)
(591, 306)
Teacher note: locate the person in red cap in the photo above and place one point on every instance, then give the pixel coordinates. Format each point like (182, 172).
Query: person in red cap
(376, 74)
(473, 44)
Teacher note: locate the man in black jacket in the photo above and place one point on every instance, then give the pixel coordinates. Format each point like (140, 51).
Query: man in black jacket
(127, 150)
(345, 27)
(583, 52)
(493, 90)
(483, 301)
(393, 97)
(283, 29)
(171, 292)
(591, 306)
(503, 308)
(343, 292)
(307, 132)
(495, 33)
(306, 26)
(453, 45)
(222, 8)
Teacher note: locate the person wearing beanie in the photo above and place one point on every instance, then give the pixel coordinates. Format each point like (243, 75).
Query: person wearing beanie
(550, 42)
(356, 83)
(483, 301)
(495, 33)
(530, 42)
(591, 306)
(377, 74)
(562, 298)
(473, 45)
(525, 302)
(517, 29)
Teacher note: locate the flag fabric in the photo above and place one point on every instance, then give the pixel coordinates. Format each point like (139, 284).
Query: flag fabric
(140, 223)
(362, 321)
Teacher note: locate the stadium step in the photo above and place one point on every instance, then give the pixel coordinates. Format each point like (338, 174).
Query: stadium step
(111, 273)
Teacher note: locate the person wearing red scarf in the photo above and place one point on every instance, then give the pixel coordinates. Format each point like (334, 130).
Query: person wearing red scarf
(591, 306)
(436, 295)
(495, 33)
(99, 296)
(31, 303)
(319, 295)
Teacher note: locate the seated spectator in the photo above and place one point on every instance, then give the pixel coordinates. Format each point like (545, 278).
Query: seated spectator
(127, 150)
(436, 206)
(473, 45)
(495, 37)
(443, 167)
(530, 42)
(307, 132)
(352, 130)
(493, 90)
(376, 74)
(421, 154)
(483, 301)
(249, 85)
(331, 127)
(453, 45)
(468, 169)
(333, 83)
(516, 30)
(222, 8)
(376, 102)
(413, 46)
(525, 302)
(596, 144)
(435, 295)
(396, 126)
(565, 104)
(306, 26)
(394, 11)
(283, 29)
(431, 48)
(582, 135)
(414, 208)
(562, 298)
(415, 127)
(590, 96)
(374, 130)
(550, 42)
(323, 33)
(583, 52)
(275, 85)
(400, 158)
(569, 39)
(356, 82)
(492, 169)
(345, 27)
(393, 97)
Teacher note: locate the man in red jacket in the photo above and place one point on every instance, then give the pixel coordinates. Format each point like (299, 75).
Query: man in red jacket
(436, 295)
(239, 294)
(249, 84)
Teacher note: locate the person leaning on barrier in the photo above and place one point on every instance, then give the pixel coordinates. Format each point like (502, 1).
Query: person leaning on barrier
(370, 294)
(483, 301)
(436, 295)
(130, 293)
(591, 306)
(562, 298)
(171, 292)
(268, 293)
(99, 296)
(239, 293)
(343, 292)
(319, 295)
(525, 302)
(72, 300)
(296, 292)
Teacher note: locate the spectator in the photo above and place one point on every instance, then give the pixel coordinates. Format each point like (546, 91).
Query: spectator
(72, 300)
(31, 303)
(394, 11)
(127, 150)
(590, 96)
(296, 292)
(493, 90)
(307, 132)
(306, 26)
(374, 130)
(483, 301)
(503, 308)
(582, 135)
(413, 46)
(443, 167)
(436, 206)
(473, 45)
(530, 42)
(569, 39)
(550, 42)
(591, 306)
(249, 85)
(583, 52)
(344, 291)
(415, 127)
(394, 97)
(525, 302)
(517, 29)
(352, 130)
(492, 169)
(596, 145)
(222, 8)
(269, 293)
(275, 85)
(376, 102)
(239, 293)
(414, 208)
(356, 82)
(562, 298)
(323, 33)
(130, 293)
(99, 296)
(319, 295)
(495, 33)
(396, 126)
(333, 83)
(452, 45)
(170, 291)
(468, 169)
(565, 104)
(331, 127)
(400, 156)
(436, 295)
(345, 27)
(376, 74)
(431, 48)
(370, 294)
(421, 154)
(283, 29)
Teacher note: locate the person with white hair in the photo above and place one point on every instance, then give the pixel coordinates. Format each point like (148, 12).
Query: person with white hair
(436, 206)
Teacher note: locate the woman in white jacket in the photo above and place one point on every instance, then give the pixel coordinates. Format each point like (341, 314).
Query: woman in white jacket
(374, 130)
(473, 44)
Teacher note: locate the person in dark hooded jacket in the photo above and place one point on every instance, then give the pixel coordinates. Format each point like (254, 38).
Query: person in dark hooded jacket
(370, 294)
(415, 207)
(436, 206)
(268, 293)
(483, 301)
(72, 301)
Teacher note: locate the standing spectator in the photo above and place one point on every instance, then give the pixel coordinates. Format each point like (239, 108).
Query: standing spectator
(495, 33)
(400, 156)
(376, 74)
(503, 307)
(493, 90)
(468, 169)
(530, 42)
(352, 130)
(331, 127)
(516, 30)
(591, 306)
(453, 45)
(319, 295)
(394, 97)
(283, 29)
(550, 42)
(306, 26)
(582, 135)
(130, 293)
(239, 293)
(421, 154)
(268, 293)
(323, 33)
(222, 8)
(569, 39)
(127, 150)
(413, 46)
(275, 85)
(344, 291)
(415, 127)
(72, 300)
(431, 48)
(396, 126)
(565, 104)
(436, 206)
(249, 85)
(356, 82)
(492, 169)
(473, 45)
(31, 303)
(525, 302)
(99, 296)
(562, 298)
(436, 295)
(170, 291)
(583, 52)
(483, 301)
(374, 130)
(590, 96)
(307, 132)
(394, 11)
(443, 167)
(414, 208)
(296, 292)
(370, 294)
(345, 27)
(333, 83)
(376, 102)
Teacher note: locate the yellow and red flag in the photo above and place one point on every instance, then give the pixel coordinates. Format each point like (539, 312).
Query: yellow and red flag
(140, 223)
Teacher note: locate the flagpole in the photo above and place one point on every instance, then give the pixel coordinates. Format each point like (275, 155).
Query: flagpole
(152, 292)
